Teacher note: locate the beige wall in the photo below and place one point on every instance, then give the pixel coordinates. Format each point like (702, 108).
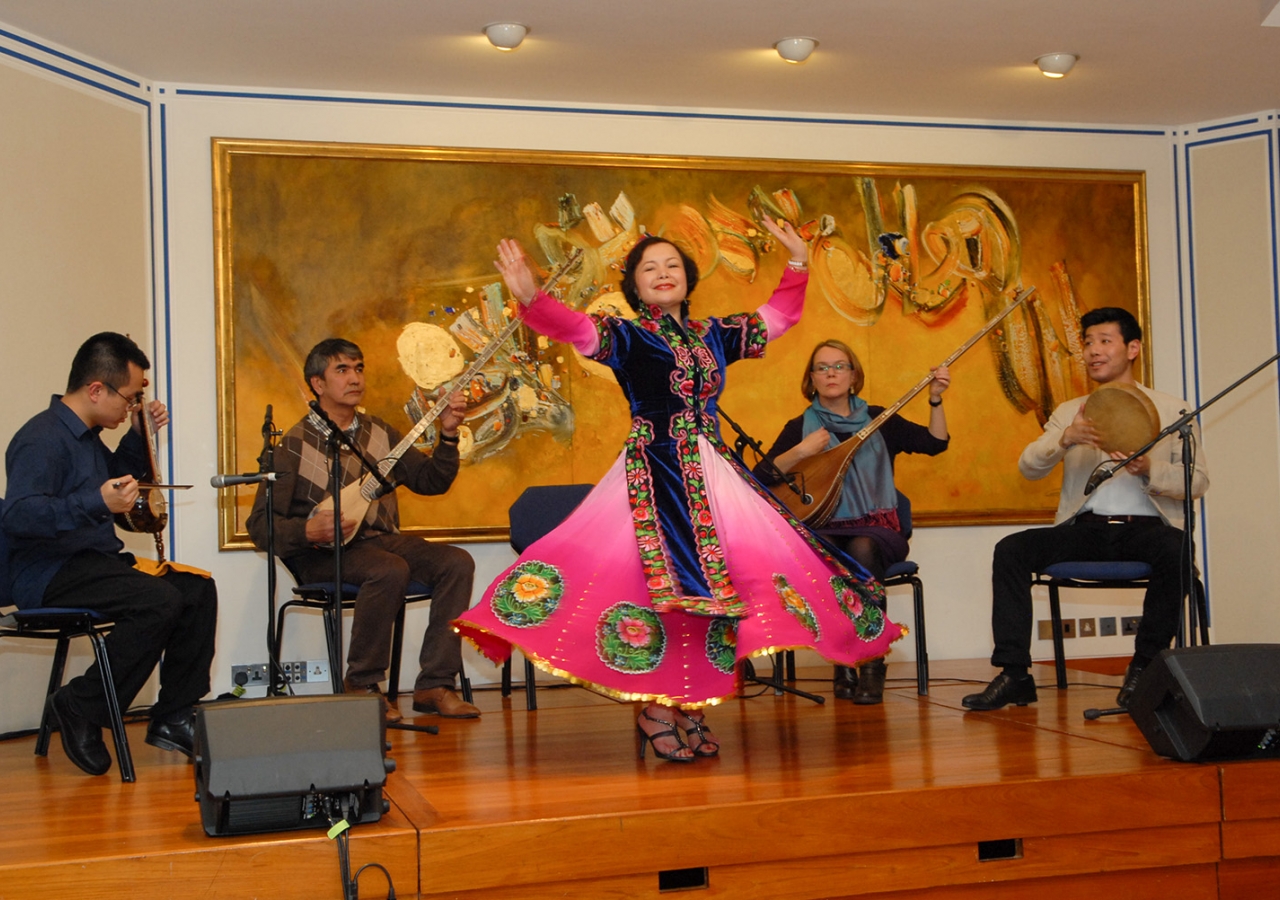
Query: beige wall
(1231, 261)
(73, 228)
(74, 259)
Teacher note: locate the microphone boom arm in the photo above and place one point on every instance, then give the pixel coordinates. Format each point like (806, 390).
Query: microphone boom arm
(770, 469)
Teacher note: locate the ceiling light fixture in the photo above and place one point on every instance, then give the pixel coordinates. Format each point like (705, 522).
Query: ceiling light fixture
(1056, 65)
(506, 36)
(795, 49)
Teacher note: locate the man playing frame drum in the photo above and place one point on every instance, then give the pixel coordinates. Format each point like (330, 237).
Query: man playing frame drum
(1135, 515)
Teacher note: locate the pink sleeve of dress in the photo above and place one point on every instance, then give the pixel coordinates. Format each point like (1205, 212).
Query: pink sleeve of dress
(547, 315)
(782, 310)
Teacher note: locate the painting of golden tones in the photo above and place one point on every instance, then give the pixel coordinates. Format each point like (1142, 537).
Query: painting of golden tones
(393, 248)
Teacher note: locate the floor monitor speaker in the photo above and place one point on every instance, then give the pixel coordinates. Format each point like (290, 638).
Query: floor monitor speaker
(287, 763)
(1213, 702)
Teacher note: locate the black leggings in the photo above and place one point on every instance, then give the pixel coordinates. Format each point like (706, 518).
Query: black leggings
(867, 553)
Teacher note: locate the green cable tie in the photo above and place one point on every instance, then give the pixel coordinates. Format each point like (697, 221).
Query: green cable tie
(338, 828)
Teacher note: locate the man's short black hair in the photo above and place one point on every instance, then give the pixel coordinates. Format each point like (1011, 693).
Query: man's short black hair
(324, 353)
(105, 357)
(1130, 330)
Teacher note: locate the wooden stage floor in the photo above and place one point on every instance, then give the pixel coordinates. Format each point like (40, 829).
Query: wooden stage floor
(805, 801)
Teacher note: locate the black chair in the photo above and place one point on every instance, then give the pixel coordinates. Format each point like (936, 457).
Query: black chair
(908, 573)
(897, 575)
(320, 595)
(536, 512)
(61, 625)
(1116, 575)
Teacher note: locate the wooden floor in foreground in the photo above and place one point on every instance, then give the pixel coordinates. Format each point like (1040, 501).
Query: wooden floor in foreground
(805, 801)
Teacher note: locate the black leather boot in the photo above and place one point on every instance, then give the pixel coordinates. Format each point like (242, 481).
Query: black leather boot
(845, 682)
(871, 683)
(1130, 683)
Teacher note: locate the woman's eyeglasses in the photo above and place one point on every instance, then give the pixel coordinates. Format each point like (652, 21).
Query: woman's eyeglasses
(823, 368)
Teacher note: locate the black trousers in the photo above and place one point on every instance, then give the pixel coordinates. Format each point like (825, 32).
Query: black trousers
(1019, 555)
(171, 620)
(383, 566)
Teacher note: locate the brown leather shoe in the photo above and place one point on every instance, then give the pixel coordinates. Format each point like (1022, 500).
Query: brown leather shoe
(389, 712)
(445, 702)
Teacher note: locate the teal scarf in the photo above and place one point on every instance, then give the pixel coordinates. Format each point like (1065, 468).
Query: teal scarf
(868, 483)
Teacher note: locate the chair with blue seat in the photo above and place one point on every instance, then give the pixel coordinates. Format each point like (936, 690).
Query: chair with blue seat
(61, 625)
(899, 574)
(321, 595)
(1124, 574)
(537, 512)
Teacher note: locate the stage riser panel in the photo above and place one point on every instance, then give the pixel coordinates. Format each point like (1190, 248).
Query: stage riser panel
(458, 860)
(1250, 790)
(1184, 883)
(1256, 837)
(1248, 879)
(272, 870)
(1250, 799)
(866, 874)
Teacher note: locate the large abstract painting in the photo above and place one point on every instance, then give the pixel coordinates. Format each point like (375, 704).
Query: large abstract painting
(392, 247)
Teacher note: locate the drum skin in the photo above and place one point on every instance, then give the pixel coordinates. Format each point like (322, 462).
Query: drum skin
(1123, 415)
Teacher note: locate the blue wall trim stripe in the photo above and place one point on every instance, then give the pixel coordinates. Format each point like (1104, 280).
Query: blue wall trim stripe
(1266, 133)
(1204, 128)
(1182, 289)
(31, 60)
(661, 114)
(166, 289)
(71, 59)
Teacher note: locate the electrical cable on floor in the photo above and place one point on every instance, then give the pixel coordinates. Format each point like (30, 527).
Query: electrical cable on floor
(391, 888)
(339, 832)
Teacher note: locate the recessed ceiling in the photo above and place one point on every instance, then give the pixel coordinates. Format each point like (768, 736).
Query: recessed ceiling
(1147, 62)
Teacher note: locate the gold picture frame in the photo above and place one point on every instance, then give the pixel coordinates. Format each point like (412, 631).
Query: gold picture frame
(392, 247)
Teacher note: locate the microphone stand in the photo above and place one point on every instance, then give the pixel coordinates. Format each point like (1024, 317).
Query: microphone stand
(773, 472)
(266, 464)
(1182, 427)
(793, 480)
(333, 445)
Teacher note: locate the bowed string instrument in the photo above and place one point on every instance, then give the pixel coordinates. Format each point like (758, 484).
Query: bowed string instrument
(150, 512)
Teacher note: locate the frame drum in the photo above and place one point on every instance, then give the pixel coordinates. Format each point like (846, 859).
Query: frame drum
(1123, 415)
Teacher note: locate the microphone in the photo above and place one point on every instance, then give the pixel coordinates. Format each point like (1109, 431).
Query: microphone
(1092, 714)
(790, 480)
(267, 425)
(1099, 475)
(221, 481)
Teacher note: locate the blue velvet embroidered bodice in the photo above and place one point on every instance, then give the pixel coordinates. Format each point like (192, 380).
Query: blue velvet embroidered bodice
(672, 378)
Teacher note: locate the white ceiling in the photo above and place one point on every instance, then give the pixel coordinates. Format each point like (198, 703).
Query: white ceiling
(1142, 62)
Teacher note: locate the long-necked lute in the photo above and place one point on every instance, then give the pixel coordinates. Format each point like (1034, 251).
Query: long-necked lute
(822, 475)
(359, 494)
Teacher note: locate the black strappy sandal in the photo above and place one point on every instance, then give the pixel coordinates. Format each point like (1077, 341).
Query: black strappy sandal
(698, 727)
(643, 737)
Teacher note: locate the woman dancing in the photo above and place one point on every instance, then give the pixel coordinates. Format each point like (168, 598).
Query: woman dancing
(678, 564)
(865, 524)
